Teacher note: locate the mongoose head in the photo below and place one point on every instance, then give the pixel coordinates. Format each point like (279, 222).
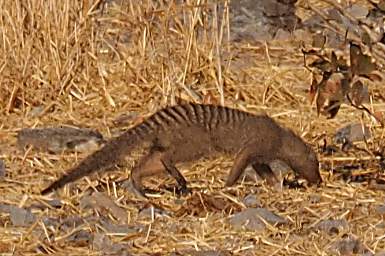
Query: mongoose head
(308, 167)
(300, 157)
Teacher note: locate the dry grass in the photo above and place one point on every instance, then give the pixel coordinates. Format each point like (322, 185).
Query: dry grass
(88, 62)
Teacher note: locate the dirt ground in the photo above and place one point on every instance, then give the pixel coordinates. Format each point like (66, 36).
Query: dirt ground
(107, 65)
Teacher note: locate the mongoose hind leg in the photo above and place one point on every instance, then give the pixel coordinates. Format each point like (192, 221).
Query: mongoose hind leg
(149, 165)
(264, 171)
(156, 162)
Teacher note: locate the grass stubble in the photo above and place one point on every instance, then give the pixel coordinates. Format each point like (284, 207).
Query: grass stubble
(88, 63)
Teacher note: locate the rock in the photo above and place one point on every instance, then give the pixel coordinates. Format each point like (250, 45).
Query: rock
(119, 228)
(380, 209)
(66, 224)
(332, 226)
(80, 238)
(349, 245)
(20, 217)
(251, 200)
(57, 139)
(2, 169)
(283, 35)
(103, 243)
(261, 20)
(36, 111)
(152, 212)
(352, 133)
(314, 198)
(251, 219)
(358, 11)
(103, 202)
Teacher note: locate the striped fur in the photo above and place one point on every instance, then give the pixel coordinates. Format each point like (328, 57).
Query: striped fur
(185, 133)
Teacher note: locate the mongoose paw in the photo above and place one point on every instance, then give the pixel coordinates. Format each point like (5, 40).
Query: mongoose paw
(182, 191)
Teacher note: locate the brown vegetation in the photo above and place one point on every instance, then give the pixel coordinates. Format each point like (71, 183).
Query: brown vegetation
(104, 65)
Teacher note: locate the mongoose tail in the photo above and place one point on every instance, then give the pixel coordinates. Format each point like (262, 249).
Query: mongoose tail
(105, 158)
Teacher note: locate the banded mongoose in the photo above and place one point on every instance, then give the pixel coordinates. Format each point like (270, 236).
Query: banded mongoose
(188, 132)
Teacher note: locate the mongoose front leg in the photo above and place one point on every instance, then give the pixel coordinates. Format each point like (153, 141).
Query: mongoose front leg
(264, 171)
(177, 175)
(242, 160)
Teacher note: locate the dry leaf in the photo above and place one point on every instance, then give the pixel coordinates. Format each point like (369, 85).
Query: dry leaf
(330, 95)
(360, 64)
(374, 77)
(379, 116)
(358, 93)
(322, 64)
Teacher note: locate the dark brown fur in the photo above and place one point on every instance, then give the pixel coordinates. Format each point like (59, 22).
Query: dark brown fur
(188, 132)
